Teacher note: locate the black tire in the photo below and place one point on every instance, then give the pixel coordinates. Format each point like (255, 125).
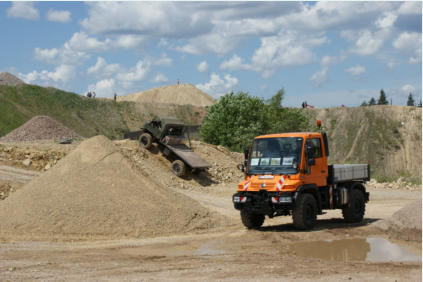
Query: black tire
(305, 212)
(179, 168)
(354, 211)
(146, 140)
(252, 220)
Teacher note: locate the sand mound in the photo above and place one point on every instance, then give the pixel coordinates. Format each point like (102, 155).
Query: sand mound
(183, 94)
(406, 223)
(9, 79)
(94, 192)
(40, 128)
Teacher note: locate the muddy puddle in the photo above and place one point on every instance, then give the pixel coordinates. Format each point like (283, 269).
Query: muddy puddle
(360, 249)
(185, 249)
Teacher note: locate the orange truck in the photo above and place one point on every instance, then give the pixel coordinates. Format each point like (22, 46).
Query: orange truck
(288, 174)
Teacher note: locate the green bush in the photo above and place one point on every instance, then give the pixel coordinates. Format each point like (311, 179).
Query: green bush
(237, 118)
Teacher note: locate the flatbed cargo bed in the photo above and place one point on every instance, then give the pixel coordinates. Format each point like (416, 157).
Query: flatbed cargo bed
(348, 172)
(188, 156)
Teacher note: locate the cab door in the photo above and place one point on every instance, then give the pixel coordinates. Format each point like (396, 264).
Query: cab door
(318, 171)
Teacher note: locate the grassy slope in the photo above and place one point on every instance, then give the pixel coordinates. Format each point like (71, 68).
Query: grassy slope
(88, 117)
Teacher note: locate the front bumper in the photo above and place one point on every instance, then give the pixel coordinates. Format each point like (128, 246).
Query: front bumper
(264, 202)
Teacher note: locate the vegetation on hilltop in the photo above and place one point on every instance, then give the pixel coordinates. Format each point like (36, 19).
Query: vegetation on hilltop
(86, 116)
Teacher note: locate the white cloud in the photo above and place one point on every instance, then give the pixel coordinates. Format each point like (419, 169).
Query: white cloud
(366, 41)
(327, 61)
(319, 77)
(24, 10)
(216, 42)
(74, 51)
(387, 20)
(203, 66)
(234, 63)
(163, 61)
(46, 55)
(62, 74)
(129, 41)
(218, 86)
(283, 51)
(135, 74)
(356, 70)
(101, 68)
(160, 78)
(410, 43)
(103, 88)
(61, 16)
(410, 7)
(159, 19)
(408, 88)
(82, 42)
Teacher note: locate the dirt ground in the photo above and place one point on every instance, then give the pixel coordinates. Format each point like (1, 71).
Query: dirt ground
(234, 254)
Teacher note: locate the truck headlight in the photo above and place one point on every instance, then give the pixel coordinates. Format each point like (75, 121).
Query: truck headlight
(239, 199)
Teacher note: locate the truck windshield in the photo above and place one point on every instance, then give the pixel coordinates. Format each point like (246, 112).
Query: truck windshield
(276, 155)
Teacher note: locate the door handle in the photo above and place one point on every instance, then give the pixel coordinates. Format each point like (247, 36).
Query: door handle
(323, 171)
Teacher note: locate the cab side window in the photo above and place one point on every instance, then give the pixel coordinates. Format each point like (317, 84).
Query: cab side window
(316, 148)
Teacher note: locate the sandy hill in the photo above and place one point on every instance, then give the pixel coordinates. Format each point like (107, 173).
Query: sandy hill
(94, 192)
(40, 128)
(183, 94)
(389, 137)
(9, 79)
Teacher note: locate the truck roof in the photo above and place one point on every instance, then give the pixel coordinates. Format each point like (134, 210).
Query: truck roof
(290, 134)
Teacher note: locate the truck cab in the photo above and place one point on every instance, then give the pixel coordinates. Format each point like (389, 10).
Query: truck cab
(288, 174)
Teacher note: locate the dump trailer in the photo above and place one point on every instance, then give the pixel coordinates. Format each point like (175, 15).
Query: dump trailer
(288, 174)
(168, 133)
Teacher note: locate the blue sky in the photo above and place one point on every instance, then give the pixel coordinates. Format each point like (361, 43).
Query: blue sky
(327, 53)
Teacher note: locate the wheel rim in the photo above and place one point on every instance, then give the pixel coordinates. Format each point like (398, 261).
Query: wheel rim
(176, 168)
(144, 140)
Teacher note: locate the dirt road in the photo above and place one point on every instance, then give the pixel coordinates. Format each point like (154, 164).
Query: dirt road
(270, 254)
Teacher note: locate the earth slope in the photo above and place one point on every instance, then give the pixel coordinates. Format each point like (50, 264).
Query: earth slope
(94, 192)
(389, 137)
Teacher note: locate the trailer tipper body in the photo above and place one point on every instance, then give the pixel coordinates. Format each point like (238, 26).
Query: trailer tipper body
(288, 174)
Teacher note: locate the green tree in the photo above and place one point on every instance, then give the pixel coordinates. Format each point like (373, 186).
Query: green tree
(382, 98)
(237, 118)
(372, 102)
(276, 100)
(234, 121)
(410, 100)
(364, 104)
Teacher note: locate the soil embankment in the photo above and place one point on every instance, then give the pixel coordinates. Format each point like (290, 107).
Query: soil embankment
(94, 193)
(389, 137)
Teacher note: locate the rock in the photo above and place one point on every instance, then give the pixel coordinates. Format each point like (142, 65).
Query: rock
(27, 162)
(47, 167)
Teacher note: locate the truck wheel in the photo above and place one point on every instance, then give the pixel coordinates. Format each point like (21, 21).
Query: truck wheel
(354, 211)
(179, 168)
(146, 140)
(252, 220)
(305, 212)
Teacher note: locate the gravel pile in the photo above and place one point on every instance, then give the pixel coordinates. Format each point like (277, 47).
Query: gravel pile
(94, 193)
(40, 128)
(9, 79)
(405, 224)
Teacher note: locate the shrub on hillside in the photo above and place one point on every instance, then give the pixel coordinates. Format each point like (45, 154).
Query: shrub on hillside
(237, 118)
